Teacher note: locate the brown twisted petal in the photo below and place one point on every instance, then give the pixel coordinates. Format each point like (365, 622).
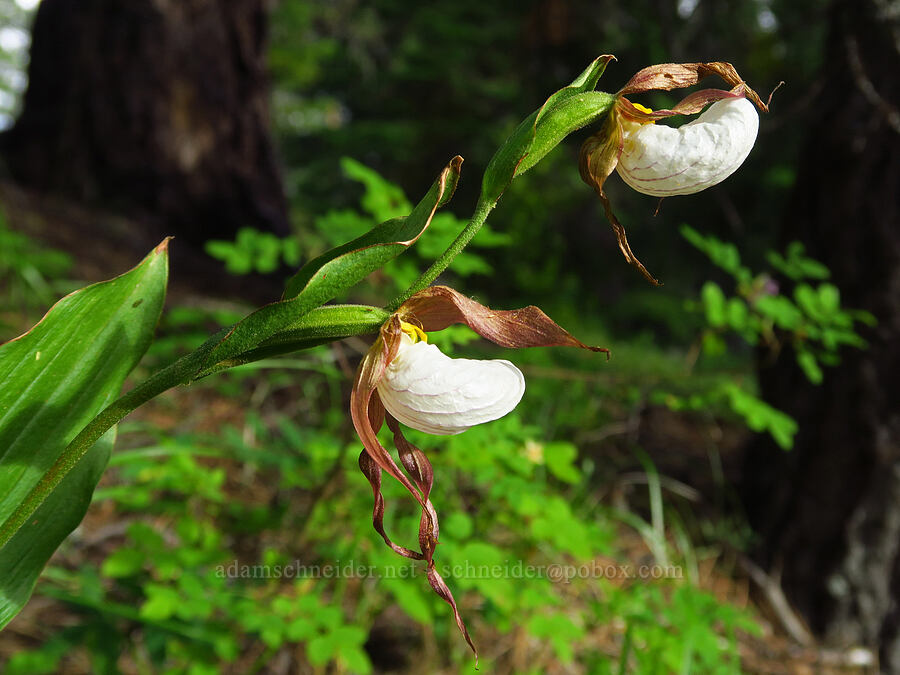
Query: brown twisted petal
(372, 472)
(414, 460)
(622, 241)
(362, 406)
(440, 587)
(689, 105)
(419, 468)
(434, 308)
(597, 160)
(437, 307)
(668, 76)
(368, 415)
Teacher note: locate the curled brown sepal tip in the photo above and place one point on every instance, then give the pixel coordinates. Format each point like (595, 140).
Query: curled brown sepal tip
(622, 241)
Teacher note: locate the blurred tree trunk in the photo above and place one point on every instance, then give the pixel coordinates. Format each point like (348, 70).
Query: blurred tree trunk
(154, 108)
(829, 510)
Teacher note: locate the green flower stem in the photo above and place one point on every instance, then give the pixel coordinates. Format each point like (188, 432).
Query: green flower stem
(482, 209)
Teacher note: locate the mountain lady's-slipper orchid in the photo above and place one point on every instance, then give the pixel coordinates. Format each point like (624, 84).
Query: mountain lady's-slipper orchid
(405, 379)
(663, 161)
(429, 391)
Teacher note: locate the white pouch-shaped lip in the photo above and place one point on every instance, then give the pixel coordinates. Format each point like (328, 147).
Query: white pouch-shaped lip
(663, 161)
(429, 391)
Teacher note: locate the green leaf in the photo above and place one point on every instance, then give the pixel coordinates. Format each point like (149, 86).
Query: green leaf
(339, 225)
(780, 310)
(810, 367)
(713, 304)
(558, 524)
(162, 602)
(321, 649)
(458, 525)
(737, 314)
(721, 253)
(795, 265)
(253, 251)
(300, 630)
(570, 108)
(237, 261)
(346, 635)
(561, 632)
(383, 200)
(558, 457)
(123, 562)
(713, 344)
(813, 269)
(42, 661)
(760, 416)
(323, 278)
(355, 659)
(56, 378)
(829, 298)
(808, 300)
(480, 565)
(411, 599)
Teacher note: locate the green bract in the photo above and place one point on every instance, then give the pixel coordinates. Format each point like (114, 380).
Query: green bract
(570, 108)
(319, 326)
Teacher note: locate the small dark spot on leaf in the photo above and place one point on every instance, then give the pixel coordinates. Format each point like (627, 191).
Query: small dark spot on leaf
(136, 303)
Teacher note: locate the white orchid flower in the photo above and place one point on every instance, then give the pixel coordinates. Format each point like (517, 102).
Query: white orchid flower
(405, 379)
(429, 391)
(664, 161)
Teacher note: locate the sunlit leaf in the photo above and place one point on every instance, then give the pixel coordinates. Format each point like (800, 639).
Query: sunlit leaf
(382, 200)
(713, 304)
(780, 310)
(559, 458)
(760, 416)
(810, 367)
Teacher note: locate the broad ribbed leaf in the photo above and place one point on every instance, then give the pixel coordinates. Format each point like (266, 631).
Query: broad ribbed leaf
(53, 380)
(570, 108)
(323, 278)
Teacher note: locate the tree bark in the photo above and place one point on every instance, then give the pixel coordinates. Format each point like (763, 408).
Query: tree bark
(829, 510)
(154, 108)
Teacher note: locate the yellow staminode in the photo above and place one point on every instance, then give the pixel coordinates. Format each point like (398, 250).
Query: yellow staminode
(415, 333)
(644, 109)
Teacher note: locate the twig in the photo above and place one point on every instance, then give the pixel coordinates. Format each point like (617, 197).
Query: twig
(774, 595)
